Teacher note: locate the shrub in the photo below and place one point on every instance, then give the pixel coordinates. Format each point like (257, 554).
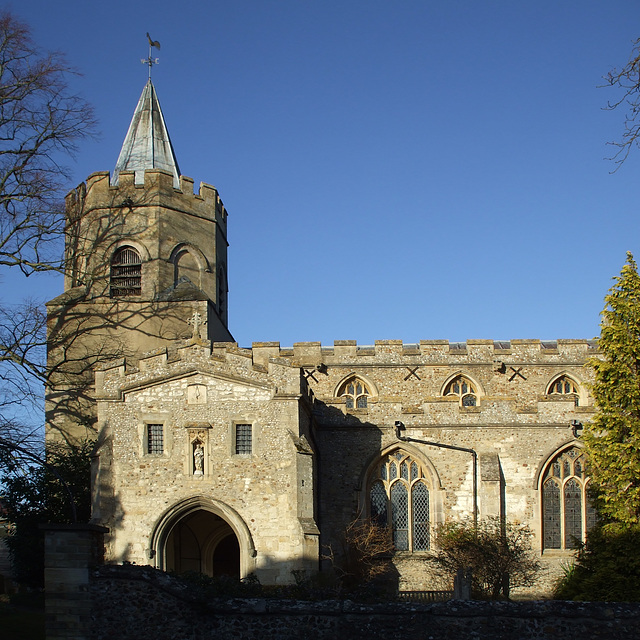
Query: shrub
(498, 553)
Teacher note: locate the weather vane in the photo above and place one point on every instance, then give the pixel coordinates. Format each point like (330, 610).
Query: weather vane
(151, 61)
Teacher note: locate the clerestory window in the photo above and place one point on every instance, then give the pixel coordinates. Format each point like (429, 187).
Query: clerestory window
(567, 514)
(464, 390)
(564, 386)
(356, 393)
(126, 273)
(399, 498)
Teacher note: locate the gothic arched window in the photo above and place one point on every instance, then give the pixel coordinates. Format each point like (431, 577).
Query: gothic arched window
(126, 273)
(564, 386)
(355, 392)
(399, 498)
(567, 514)
(464, 389)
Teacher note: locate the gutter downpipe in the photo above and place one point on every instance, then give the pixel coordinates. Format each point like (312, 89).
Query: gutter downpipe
(400, 427)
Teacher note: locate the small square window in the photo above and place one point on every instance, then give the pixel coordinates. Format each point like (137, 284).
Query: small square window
(243, 439)
(155, 438)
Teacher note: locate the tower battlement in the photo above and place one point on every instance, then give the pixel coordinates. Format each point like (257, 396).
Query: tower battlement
(158, 189)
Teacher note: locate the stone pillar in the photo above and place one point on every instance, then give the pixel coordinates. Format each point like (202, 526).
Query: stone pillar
(491, 486)
(70, 551)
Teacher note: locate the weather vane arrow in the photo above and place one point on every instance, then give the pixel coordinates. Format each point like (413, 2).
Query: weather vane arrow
(150, 60)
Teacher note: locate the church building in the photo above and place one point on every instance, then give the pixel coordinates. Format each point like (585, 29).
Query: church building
(227, 460)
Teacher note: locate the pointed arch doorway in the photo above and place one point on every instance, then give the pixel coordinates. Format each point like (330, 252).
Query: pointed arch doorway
(203, 542)
(203, 536)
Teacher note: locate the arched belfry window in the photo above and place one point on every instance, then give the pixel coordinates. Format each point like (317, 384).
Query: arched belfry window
(399, 498)
(126, 273)
(355, 392)
(465, 390)
(566, 387)
(567, 514)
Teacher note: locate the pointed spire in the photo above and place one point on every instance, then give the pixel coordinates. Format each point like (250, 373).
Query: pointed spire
(147, 145)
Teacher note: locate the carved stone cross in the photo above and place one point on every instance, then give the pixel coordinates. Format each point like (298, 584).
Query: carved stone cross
(196, 321)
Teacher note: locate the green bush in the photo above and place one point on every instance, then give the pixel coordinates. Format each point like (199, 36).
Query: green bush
(607, 567)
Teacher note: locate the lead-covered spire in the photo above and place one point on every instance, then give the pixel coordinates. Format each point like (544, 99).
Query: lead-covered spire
(147, 145)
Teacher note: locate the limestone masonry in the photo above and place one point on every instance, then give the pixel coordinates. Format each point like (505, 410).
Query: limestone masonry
(225, 460)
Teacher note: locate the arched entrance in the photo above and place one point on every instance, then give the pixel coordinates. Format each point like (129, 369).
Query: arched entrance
(203, 535)
(202, 541)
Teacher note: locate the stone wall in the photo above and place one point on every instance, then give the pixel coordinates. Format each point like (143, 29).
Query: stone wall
(139, 603)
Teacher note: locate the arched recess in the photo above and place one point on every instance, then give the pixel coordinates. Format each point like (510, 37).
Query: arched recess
(190, 519)
(402, 489)
(564, 385)
(464, 387)
(188, 262)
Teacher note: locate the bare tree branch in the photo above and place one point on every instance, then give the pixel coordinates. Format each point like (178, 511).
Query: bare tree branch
(627, 80)
(41, 122)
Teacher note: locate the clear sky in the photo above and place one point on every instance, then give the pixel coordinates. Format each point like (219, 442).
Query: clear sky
(392, 170)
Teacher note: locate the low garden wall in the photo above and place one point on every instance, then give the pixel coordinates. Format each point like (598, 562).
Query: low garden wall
(86, 600)
(140, 602)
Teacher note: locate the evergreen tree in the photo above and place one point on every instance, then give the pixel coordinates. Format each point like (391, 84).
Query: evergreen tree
(613, 438)
(34, 495)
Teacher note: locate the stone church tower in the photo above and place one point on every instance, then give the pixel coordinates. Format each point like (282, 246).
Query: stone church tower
(146, 262)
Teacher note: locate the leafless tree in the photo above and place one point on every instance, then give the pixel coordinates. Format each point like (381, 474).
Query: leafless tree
(627, 80)
(366, 553)
(41, 122)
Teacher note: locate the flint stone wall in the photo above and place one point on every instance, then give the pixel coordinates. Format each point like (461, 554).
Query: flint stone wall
(139, 602)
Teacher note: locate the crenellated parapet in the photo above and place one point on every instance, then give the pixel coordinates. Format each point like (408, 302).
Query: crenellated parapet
(191, 357)
(156, 190)
(427, 351)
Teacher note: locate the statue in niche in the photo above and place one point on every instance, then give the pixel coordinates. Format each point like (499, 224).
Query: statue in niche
(198, 459)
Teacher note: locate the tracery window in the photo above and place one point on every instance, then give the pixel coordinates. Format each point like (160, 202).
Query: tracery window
(464, 389)
(356, 393)
(399, 498)
(126, 273)
(564, 386)
(567, 514)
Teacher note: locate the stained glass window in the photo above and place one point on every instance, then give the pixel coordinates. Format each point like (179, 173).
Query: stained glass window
(355, 394)
(400, 515)
(379, 503)
(567, 513)
(572, 513)
(551, 516)
(464, 389)
(399, 496)
(420, 510)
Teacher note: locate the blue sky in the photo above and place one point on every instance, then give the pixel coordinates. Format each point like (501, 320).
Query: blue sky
(392, 170)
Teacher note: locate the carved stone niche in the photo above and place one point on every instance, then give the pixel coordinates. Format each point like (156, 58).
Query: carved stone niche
(198, 463)
(197, 394)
